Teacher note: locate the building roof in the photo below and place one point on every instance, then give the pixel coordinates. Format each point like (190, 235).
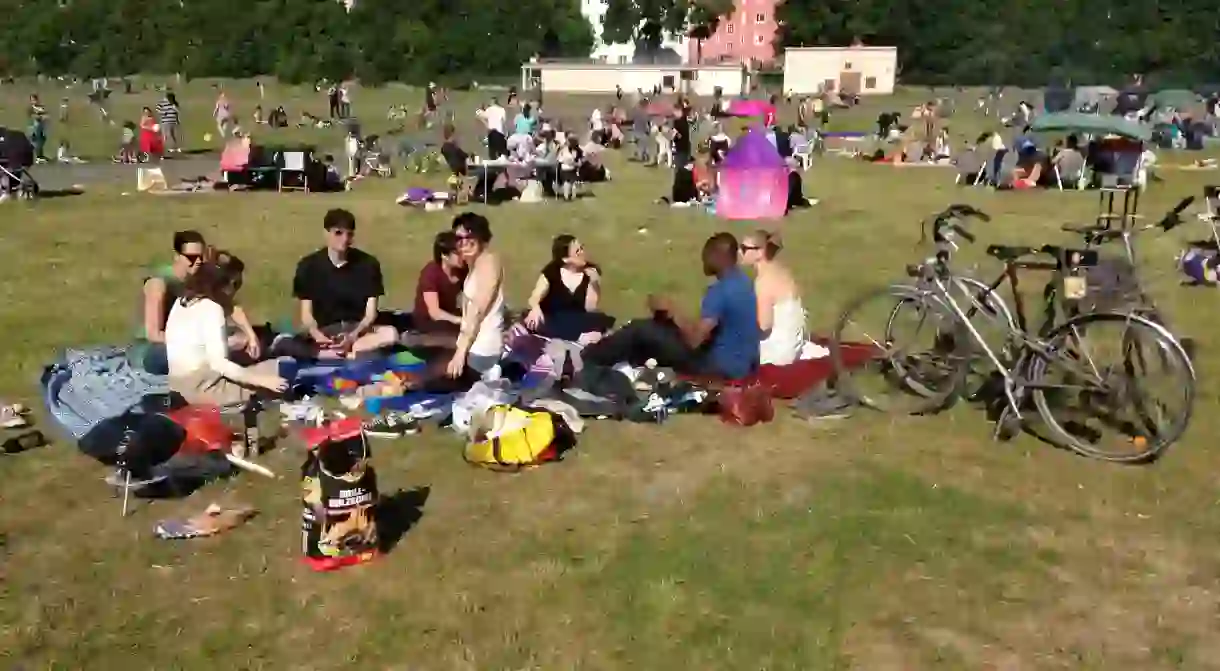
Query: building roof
(596, 65)
(786, 49)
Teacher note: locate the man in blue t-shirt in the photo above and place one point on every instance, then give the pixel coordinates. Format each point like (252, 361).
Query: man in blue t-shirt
(722, 342)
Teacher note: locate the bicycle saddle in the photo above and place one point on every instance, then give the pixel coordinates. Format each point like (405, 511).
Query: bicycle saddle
(1009, 252)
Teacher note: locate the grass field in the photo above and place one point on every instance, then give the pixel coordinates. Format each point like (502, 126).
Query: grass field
(872, 544)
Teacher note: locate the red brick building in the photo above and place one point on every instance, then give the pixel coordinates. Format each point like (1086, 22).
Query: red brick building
(745, 37)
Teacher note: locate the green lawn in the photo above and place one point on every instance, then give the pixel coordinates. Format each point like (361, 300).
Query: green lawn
(872, 544)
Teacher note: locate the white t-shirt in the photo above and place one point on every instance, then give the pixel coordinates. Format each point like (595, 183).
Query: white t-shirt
(595, 120)
(494, 117)
(195, 341)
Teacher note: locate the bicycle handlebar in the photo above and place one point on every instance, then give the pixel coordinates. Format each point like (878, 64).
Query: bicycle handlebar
(945, 221)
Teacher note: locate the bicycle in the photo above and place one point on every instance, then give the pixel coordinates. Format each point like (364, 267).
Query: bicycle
(1024, 364)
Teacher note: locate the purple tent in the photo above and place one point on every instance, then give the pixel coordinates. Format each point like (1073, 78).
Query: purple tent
(753, 180)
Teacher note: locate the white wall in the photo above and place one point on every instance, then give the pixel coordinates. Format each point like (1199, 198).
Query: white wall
(805, 70)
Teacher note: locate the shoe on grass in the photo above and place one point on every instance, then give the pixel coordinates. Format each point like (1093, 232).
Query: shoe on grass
(391, 425)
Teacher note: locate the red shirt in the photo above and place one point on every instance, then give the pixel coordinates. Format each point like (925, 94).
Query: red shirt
(433, 279)
(769, 118)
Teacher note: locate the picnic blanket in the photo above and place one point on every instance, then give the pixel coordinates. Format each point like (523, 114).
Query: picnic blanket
(86, 387)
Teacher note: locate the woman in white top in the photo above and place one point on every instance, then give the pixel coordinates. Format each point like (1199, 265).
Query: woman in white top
(480, 342)
(781, 316)
(197, 349)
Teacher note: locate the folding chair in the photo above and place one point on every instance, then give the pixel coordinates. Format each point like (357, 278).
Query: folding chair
(803, 155)
(380, 164)
(1070, 169)
(293, 164)
(969, 167)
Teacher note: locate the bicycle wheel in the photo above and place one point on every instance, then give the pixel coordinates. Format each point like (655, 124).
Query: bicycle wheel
(1118, 396)
(880, 365)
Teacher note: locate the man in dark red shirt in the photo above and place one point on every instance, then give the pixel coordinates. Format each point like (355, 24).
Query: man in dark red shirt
(439, 289)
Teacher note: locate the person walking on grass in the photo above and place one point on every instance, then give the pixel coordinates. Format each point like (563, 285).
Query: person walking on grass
(168, 113)
(38, 128)
(223, 113)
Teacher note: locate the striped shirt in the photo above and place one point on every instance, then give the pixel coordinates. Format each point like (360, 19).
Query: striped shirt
(167, 111)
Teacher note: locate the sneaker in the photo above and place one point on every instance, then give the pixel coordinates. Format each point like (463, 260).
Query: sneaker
(304, 410)
(10, 417)
(391, 425)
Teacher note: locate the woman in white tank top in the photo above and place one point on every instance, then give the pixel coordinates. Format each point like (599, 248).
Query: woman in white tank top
(781, 316)
(480, 343)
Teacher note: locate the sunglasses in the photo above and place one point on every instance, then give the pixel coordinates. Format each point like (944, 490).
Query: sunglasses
(192, 258)
(750, 248)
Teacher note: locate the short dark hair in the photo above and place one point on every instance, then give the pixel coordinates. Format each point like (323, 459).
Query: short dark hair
(444, 243)
(723, 242)
(339, 218)
(184, 238)
(477, 224)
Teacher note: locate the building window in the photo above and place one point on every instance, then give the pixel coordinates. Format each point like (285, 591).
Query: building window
(847, 65)
(622, 60)
(760, 40)
(730, 29)
(601, 59)
(760, 18)
(870, 82)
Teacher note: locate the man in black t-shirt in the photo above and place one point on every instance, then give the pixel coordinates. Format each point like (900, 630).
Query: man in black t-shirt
(338, 287)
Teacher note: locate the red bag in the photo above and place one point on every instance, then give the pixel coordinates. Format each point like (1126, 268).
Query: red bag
(205, 430)
(746, 405)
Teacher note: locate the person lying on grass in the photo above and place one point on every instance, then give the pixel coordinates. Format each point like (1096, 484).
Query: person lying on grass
(338, 288)
(722, 343)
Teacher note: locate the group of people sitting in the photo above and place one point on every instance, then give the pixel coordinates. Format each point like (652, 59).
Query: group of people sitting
(194, 330)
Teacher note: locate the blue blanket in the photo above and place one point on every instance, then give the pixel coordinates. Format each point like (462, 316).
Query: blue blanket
(87, 387)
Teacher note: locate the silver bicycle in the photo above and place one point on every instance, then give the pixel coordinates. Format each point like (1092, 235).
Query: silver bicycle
(1092, 396)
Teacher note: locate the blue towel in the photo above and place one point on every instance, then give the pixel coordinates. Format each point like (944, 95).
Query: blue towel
(87, 387)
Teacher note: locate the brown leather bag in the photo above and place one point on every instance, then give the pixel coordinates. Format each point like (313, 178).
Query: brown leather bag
(746, 406)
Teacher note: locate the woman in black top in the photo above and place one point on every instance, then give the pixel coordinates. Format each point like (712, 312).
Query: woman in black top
(564, 302)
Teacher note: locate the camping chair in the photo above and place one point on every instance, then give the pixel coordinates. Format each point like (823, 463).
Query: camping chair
(293, 163)
(379, 164)
(804, 154)
(913, 153)
(1003, 177)
(1070, 169)
(462, 187)
(969, 167)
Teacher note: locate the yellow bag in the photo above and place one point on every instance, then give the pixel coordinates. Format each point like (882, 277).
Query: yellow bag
(505, 438)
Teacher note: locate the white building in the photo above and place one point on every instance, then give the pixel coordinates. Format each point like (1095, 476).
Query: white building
(860, 70)
(594, 78)
(673, 47)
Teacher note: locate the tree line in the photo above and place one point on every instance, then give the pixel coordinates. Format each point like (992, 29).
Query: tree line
(962, 42)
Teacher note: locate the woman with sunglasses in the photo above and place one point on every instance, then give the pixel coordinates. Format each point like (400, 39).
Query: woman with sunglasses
(781, 315)
(480, 341)
(161, 290)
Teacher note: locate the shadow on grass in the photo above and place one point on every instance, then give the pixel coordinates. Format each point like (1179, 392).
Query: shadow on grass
(60, 193)
(397, 513)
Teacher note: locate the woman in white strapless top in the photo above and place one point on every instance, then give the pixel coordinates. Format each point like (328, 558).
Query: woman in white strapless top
(480, 343)
(781, 316)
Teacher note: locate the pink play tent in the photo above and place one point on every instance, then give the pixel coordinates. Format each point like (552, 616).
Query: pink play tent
(753, 180)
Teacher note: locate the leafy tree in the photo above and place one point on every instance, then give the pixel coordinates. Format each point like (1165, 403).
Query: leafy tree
(647, 22)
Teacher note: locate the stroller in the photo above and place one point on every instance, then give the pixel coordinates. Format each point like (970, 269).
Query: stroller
(16, 156)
